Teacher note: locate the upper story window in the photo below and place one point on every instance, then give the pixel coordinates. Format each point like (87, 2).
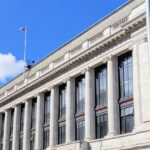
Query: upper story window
(80, 94)
(22, 117)
(2, 126)
(62, 101)
(125, 76)
(47, 108)
(127, 119)
(101, 85)
(33, 115)
(11, 122)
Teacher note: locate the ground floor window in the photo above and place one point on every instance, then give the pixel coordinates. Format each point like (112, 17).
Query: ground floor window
(101, 125)
(127, 119)
(80, 130)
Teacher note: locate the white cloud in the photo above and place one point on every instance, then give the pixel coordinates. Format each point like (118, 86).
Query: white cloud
(9, 67)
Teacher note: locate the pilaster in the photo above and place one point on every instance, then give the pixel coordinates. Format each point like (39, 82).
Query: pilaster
(16, 128)
(89, 104)
(70, 110)
(39, 122)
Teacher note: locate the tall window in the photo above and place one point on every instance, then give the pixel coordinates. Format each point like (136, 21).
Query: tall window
(80, 94)
(46, 124)
(33, 123)
(22, 117)
(11, 122)
(62, 134)
(101, 85)
(2, 126)
(101, 101)
(126, 93)
(102, 125)
(62, 101)
(47, 108)
(62, 114)
(33, 116)
(80, 130)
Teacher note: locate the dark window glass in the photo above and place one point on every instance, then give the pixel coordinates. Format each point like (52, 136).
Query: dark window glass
(21, 144)
(2, 128)
(127, 120)
(101, 85)
(1, 146)
(80, 130)
(47, 108)
(125, 76)
(80, 94)
(22, 117)
(46, 139)
(10, 145)
(33, 119)
(101, 125)
(32, 142)
(11, 122)
(62, 101)
(62, 134)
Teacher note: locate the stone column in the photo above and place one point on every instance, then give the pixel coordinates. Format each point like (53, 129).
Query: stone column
(54, 117)
(39, 122)
(70, 110)
(89, 104)
(136, 89)
(16, 127)
(6, 130)
(27, 125)
(113, 107)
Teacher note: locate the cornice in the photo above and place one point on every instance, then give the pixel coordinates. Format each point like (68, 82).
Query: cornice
(109, 41)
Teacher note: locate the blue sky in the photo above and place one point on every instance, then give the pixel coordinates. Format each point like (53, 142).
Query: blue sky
(50, 24)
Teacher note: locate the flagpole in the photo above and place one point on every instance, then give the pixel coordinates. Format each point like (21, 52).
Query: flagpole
(25, 47)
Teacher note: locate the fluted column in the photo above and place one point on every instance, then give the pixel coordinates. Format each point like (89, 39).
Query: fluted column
(39, 122)
(6, 130)
(89, 104)
(70, 109)
(16, 127)
(113, 107)
(54, 117)
(27, 126)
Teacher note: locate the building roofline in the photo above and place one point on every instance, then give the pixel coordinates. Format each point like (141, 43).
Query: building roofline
(78, 35)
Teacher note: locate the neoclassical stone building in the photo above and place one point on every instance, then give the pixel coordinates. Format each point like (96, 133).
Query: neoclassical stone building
(93, 93)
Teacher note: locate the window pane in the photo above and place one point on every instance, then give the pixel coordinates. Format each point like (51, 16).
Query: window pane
(127, 119)
(80, 130)
(34, 107)
(2, 128)
(101, 125)
(80, 94)
(46, 139)
(62, 134)
(11, 122)
(47, 108)
(22, 117)
(62, 101)
(101, 85)
(125, 75)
